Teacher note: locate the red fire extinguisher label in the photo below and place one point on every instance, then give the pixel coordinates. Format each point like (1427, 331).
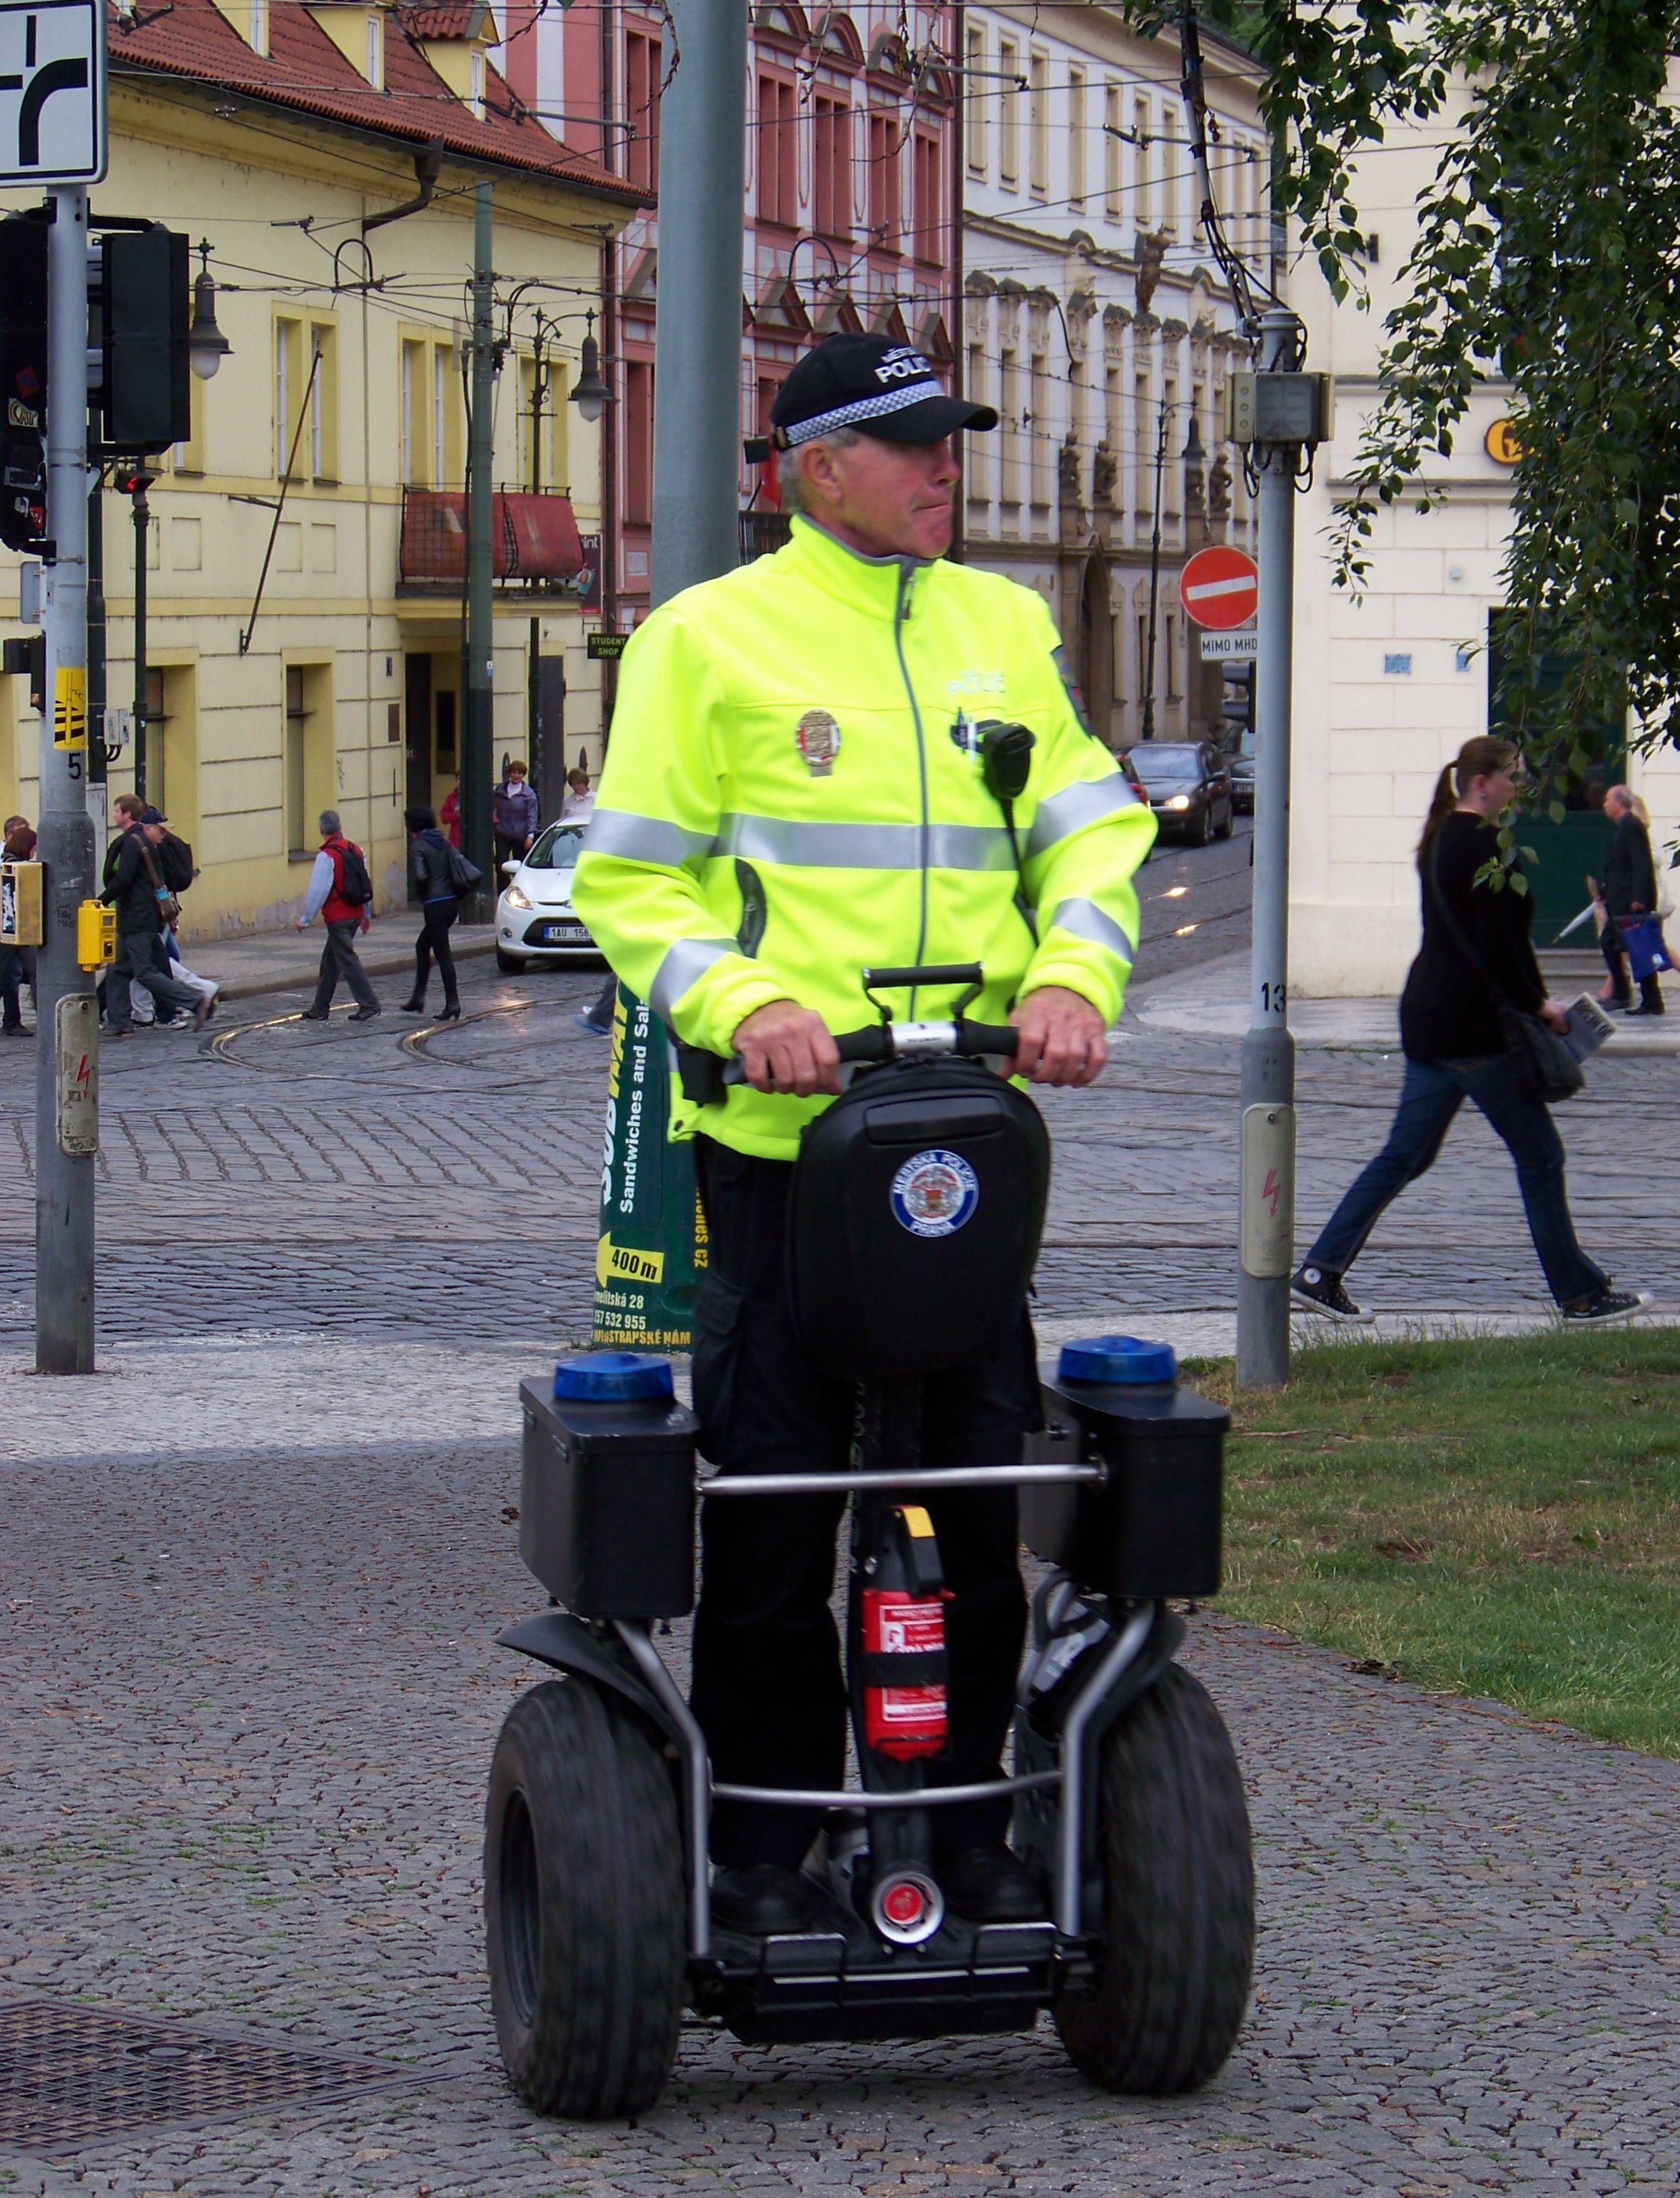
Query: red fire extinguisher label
(909, 1720)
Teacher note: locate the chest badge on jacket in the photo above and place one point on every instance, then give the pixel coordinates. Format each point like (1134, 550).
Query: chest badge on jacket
(818, 738)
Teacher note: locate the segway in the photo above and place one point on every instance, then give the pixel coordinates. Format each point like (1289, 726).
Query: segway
(917, 1207)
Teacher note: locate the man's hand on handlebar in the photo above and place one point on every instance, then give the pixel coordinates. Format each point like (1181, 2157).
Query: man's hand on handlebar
(1063, 1039)
(784, 1047)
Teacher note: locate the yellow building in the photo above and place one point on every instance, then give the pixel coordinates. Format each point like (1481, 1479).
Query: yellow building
(305, 551)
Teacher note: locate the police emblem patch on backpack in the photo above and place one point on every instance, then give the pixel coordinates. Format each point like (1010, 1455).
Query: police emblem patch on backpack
(934, 1193)
(818, 738)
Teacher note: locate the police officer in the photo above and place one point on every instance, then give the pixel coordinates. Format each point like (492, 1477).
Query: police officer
(795, 790)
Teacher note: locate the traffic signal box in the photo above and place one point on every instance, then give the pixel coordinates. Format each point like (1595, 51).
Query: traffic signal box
(145, 397)
(23, 381)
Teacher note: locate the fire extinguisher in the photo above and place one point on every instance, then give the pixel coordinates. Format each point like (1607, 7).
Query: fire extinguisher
(904, 1639)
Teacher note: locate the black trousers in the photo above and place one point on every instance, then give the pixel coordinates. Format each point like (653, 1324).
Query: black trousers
(768, 1689)
(338, 959)
(435, 919)
(506, 851)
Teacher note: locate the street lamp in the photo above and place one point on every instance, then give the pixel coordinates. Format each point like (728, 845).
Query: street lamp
(206, 347)
(590, 393)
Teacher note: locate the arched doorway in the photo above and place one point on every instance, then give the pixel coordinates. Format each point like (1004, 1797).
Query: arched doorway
(1095, 653)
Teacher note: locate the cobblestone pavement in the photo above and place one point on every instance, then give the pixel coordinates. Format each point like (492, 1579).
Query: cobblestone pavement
(251, 1698)
(292, 1176)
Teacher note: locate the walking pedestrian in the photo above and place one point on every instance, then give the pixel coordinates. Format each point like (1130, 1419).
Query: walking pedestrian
(514, 815)
(1475, 956)
(144, 904)
(1630, 893)
(17, 964)
(340, 891)
(440, 905)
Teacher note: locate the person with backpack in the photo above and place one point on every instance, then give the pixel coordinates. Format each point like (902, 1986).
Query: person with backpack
(340, 892)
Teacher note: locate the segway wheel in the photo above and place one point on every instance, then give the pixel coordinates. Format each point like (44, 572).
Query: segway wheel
(1178, 1898)
(583, 1904)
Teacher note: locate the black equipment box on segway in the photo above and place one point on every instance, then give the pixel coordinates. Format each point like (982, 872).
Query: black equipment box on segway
(915, 1214)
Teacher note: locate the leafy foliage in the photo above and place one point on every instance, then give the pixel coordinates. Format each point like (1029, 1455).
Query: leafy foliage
(1548, 252)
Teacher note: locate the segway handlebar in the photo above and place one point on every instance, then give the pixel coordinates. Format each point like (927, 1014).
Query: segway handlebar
(955, 1038)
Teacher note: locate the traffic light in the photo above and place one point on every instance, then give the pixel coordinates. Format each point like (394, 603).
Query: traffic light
(145, 397)
(23, 381)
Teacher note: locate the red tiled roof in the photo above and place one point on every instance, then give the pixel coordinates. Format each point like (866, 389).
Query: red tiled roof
(304, 71)
(460, 20)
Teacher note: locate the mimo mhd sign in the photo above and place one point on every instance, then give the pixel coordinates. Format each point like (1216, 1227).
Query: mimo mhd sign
(52, 92)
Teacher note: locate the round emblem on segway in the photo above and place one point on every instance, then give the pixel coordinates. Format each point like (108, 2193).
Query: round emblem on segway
(934, 1193)
(907, 1907)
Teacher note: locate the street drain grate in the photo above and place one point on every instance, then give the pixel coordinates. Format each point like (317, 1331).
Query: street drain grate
(71, 2077)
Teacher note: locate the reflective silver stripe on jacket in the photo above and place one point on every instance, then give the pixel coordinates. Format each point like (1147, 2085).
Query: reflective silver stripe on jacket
(685, 964)
(864, 846)
(1085, 920)
(1075, 807)
(643, 839)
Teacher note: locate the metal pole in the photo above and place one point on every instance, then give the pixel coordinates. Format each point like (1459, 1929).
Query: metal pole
(1149, 732)
(697, 399)
(67, 1047)
(96, 680)
(479, 699)
(142, 520)
(1267, 1079)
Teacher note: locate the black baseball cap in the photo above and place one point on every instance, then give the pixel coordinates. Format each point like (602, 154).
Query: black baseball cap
(881, 388)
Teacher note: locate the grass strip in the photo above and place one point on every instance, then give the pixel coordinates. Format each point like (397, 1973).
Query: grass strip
(1498, 1517)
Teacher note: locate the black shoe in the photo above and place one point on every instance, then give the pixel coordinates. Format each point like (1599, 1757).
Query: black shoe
(450, 1013)
(366, 1015)
(316, 1015)
(1642, 1009)
(1320, 1291)
(1607, 1308)
(414, 1006)
(761, 1897)
(991, 1884)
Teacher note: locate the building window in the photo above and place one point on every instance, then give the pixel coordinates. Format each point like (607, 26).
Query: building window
(444, 426)
(413, 414)
(324, 402)
(976, 454)
(1172, 182)
(884, 180)
(1039, 393)
(641, 98)
(1076, 137)
(1008, 113)
(1172, 475)
(778, 172)
(975, 96)
(1038, 125)
(1143, 164)
(476, 82)
(308, 763)
(1112, 183)
(831, 199)
(1170, 650)
(376, 49)
(288, 343)
(924, 184)
(1143, 447)
(1009, 406)
(258, 21)
(639, 442)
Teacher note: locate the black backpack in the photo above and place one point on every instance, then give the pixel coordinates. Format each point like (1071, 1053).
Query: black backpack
(355, 886)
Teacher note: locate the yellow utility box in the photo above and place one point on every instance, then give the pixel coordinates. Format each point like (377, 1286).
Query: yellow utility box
(96, 935)
(20, 904)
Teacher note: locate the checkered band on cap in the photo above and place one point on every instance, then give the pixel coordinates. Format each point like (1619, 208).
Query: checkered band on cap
(864, 408)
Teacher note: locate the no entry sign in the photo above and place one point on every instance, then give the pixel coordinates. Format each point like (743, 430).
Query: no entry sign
(1220, 587)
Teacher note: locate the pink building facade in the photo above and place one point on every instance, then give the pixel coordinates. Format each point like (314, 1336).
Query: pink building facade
(851, 218)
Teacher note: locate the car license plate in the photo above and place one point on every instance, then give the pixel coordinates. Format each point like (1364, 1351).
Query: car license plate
(564, 934)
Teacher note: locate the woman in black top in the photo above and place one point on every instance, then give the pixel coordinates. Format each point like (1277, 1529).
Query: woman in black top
(439, 905)
(1475, 950)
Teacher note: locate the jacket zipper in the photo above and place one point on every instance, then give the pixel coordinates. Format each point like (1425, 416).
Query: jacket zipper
(900, 613)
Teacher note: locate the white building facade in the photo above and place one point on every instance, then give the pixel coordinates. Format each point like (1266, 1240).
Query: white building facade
(1388, 687)
(1096, 321)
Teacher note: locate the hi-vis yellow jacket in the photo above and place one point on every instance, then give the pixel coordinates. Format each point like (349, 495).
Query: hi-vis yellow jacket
(793, 793)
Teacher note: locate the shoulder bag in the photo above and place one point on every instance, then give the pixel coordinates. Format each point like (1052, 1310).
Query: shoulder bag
(1543, 1065)
(464, 877)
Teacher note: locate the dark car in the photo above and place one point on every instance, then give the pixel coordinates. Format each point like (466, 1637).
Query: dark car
(1240, 762)
(1189, 787)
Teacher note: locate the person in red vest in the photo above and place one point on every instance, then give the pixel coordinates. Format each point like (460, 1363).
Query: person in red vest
(339, 894)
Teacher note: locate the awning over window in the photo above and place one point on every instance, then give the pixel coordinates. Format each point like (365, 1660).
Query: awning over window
(532, 537)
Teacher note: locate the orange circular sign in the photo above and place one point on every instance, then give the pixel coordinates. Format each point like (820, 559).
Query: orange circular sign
(1501, 443)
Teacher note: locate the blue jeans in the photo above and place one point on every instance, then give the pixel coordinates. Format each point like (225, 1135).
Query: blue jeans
(1431, 1095)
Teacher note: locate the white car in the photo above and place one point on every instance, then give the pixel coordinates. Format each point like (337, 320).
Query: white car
(535, 920)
